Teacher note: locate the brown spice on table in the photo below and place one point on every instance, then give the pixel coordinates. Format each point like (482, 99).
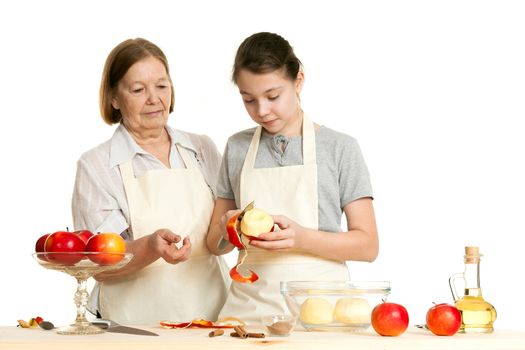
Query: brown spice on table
(216, 333)
(249, 335)
(241, 331)
(280, 327)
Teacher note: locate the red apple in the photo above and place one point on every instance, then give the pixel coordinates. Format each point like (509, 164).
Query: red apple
(85, 235)
(111, 244)
(40, 246)
(64, 242)
(389, 319)
(443, 319)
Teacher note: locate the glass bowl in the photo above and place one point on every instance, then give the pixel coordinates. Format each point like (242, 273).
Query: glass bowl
(334, 305)
(279, 325)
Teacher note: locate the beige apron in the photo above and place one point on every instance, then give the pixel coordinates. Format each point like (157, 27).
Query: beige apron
(179, 200)
(290, 191)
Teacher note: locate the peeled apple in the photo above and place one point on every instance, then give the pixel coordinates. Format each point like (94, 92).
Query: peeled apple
(316, 311)
(255, 222)
(353, 311)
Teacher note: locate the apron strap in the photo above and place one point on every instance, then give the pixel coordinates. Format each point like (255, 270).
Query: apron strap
(309, 155)
(249, 161)
(184, 154)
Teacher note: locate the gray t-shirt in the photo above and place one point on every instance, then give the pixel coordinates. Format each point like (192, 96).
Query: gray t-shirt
(342, 175)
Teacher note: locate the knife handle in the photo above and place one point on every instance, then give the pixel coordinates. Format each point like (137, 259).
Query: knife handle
(101, 323)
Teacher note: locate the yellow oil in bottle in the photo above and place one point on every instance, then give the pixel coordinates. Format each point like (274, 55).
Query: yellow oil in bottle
(477, 315)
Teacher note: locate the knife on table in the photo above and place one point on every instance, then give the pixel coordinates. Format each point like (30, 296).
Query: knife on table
(114, 327)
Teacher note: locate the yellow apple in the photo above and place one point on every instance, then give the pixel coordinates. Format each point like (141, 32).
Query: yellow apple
(353, 311)
(256, 221)
(316, 311)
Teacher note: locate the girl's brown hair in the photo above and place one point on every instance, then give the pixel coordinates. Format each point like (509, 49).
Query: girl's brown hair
(266, 52)
(119, 60)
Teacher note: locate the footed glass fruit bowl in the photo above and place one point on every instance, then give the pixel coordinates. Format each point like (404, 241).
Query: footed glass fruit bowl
(334, 305)
(82, 265)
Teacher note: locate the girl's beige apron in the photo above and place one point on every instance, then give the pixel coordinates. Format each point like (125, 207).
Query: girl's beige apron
(179, 200)
(290, 191)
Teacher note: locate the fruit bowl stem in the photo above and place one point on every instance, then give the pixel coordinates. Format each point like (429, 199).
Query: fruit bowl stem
(81, 325)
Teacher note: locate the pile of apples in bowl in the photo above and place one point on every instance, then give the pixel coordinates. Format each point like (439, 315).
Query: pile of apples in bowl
(334, 305)
(355, 306)
(80, 248)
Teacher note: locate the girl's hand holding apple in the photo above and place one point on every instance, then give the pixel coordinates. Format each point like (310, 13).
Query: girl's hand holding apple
(291, 235)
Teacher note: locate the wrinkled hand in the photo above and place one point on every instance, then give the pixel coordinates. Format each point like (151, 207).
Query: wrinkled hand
(163, 243)
(290, 235)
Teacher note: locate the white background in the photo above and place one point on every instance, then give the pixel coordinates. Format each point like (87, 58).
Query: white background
(433, 91)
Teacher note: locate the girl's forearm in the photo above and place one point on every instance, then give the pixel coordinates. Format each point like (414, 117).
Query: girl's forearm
(356, 244)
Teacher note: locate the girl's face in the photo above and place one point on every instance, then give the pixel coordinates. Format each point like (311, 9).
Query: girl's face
(272, 100)
(143, 96)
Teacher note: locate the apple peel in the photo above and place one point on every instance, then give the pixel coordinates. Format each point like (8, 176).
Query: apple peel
(229, 322)
(236, 229)
(232, 227)
(236, 275)
(32, 323)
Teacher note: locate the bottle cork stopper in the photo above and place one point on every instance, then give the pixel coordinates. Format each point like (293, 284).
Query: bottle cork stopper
(472, 254)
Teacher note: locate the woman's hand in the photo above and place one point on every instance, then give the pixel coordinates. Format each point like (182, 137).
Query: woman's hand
(147, 249)
(163, 243)
(290, 236)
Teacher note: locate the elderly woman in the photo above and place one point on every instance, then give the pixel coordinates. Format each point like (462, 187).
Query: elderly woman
(155, 186)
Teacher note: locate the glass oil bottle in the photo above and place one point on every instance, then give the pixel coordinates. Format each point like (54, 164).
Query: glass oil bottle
(477, 315)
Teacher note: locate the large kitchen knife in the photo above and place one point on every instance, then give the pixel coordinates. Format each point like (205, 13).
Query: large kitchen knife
(112, 326)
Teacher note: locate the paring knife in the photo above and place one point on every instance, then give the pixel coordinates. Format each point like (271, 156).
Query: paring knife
(248, 207)
(112, 326)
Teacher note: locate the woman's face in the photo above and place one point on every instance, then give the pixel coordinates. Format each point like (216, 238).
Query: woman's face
(272, 100)
(143, 96)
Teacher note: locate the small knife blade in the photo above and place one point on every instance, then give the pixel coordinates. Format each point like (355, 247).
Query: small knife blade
(248, 207)
(114, 327)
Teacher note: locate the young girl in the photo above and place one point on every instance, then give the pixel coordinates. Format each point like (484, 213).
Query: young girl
(291, 166)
